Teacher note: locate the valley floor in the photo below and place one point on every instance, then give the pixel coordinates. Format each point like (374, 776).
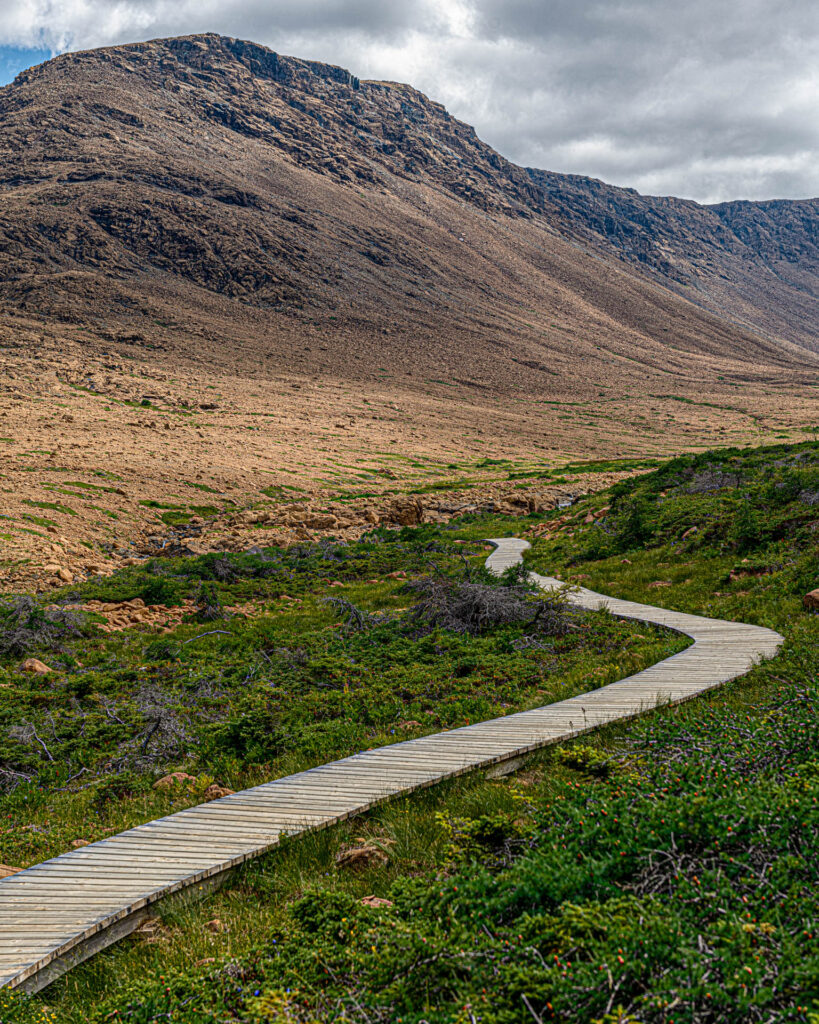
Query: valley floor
(106, 453)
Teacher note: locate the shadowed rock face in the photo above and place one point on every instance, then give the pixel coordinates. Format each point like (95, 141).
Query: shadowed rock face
(207, 192)
(755, 262)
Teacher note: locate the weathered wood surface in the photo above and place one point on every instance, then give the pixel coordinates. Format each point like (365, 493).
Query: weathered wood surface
(56, 914)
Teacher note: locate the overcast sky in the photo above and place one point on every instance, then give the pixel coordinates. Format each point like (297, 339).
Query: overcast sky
(708, 99)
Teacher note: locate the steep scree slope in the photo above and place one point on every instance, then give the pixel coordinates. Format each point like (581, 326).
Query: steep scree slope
(213, 202)
(756, 263)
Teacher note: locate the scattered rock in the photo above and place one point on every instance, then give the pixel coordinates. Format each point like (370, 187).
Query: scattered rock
(36, 667)
(65, 575)
(174, 779)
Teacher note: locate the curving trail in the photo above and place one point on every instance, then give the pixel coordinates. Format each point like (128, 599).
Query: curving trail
(57, 914)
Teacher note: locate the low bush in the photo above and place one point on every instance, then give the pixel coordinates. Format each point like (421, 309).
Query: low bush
(26, 625)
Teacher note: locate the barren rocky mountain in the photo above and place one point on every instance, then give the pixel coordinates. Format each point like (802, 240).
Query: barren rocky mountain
(230, 278)
(755, 263)
(205, 184)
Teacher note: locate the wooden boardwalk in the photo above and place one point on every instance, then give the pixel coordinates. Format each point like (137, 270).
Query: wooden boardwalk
(56, 914)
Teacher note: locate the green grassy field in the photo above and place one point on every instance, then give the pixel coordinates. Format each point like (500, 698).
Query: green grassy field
(661, 871)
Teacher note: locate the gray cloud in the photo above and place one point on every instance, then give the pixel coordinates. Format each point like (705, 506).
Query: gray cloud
(710, 99)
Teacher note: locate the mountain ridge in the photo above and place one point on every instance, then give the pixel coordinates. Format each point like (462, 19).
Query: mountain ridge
(189, 175)
(229, 277)
(688, 243)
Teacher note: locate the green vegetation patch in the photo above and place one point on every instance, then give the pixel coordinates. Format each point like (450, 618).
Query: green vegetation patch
(50, 505)
(330, 654)
(660, 871)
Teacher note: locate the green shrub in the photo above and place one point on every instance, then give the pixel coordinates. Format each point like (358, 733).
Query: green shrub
(746, 532)
(586, 760)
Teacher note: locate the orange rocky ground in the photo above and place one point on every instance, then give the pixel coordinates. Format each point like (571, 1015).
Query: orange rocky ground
(98, 449)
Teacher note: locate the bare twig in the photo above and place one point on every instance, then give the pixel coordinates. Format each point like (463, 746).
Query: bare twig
(210, 633)
(34, 736)
(531, 1010)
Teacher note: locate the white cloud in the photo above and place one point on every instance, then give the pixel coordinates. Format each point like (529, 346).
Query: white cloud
(711, 99)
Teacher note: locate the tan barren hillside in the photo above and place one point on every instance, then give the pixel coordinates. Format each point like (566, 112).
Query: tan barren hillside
(232, 279)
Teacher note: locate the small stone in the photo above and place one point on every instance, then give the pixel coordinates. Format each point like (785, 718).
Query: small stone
(7, 869)
(77, 843)
(36, 666)
(150, 926)
(215, 925)
(811, 600)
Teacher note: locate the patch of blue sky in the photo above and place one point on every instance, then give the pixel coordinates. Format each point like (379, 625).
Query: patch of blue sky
(14, 59)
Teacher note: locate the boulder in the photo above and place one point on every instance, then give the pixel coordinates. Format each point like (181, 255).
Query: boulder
(174, 779)
(216, 792)
(6, 870)
(36, 667)
(375, 901)
(320, 521)
(811, 600)
(405, 512)
(361, 857)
